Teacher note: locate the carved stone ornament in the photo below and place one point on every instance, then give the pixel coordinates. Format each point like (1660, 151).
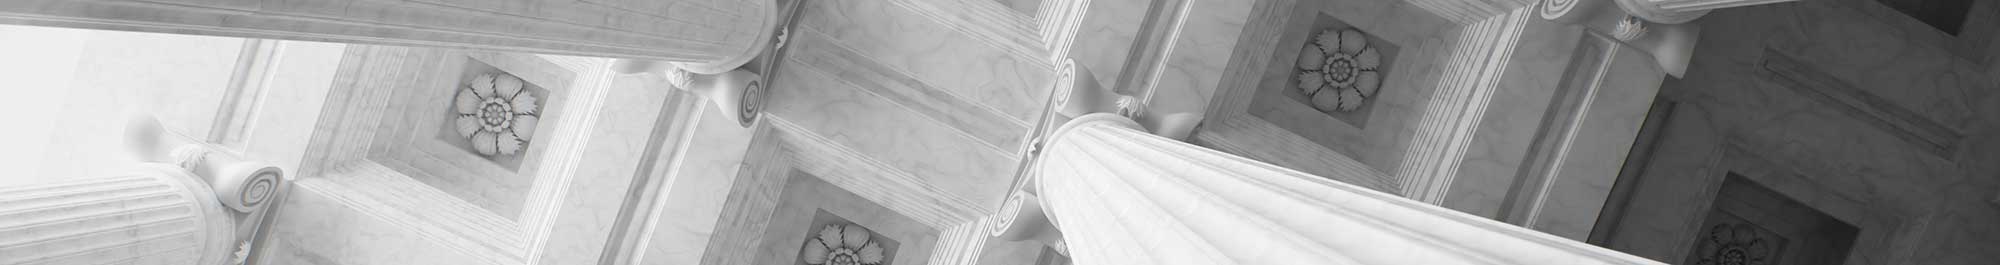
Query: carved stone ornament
(842, 245)
(1339, 70)
(495, 114)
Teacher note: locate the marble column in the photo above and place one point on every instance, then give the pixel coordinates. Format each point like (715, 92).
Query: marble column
(1115, 194)
(715, 34)
(157, 215)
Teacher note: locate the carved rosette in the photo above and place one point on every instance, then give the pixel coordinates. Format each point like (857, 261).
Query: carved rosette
(1340, 70)
(497, 115)
(848, 244)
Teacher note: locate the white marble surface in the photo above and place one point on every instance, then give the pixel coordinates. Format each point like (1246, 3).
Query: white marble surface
(1192, 69)
(810, 48)
(694, 193)
(183, 80)
(44, 66)
(752, 199)
(1512, 118)
(379, 216)
(152, 214)
(291, 102)
(314, 230)
(805, 195)
(1024, 6)
(179, 79)
(416, 137)
(1104, 38)
(1122, 196)
(609, 160)
(1594, 156)
(949, 60)
(878, 128)
(1877, 57)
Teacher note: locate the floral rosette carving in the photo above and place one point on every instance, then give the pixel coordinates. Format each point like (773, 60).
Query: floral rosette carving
(1733, 245)
(496, 114)
(1339, 70)
(842, 245)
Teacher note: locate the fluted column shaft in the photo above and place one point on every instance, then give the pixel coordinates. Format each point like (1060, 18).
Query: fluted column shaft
(724, 32)
(1120, 195)
(160, 215)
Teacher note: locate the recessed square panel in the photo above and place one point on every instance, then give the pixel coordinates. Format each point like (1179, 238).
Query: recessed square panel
(1345, 86)
(375, 151)
(810, 212)
(1728, 239)
(472, 124)
(1339, 70)
(492, 113)
(1752, 224)
(832, 240)
(1353, 76)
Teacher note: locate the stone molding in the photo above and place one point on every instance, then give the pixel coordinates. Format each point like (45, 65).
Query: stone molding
(1456, 107)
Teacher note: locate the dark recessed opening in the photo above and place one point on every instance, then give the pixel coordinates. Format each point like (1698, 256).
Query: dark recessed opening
(1945, 15)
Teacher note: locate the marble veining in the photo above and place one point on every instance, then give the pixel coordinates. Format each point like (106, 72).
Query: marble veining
(808, 205)
(605, 167)
(566, 212)
(958, 64)
(813, 49)
(878, 128)
(754, 196)
(1195, 57)
(698, 190)
(1393, 115)
(1496, 152)
(908, 194)
(1104, 38)
(1873, 55)
(1784, 71)
(986, 21)
(1595, 153)
(317, 230)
